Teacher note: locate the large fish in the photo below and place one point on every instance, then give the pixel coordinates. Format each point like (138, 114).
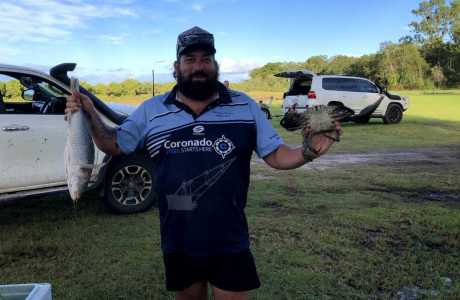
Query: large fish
(79, 150)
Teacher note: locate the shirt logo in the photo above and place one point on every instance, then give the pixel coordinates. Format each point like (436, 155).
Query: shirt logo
(223, 146)
(198, 130)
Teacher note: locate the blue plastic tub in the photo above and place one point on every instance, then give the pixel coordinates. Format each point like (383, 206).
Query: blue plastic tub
(29, 291)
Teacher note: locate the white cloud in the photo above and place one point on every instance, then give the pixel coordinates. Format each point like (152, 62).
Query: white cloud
(48, 20)
(119, 74)
(197, 7)
(230, 69)
(105, 75)
(229, 65)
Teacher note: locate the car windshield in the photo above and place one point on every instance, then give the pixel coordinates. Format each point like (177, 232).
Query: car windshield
(51, 90)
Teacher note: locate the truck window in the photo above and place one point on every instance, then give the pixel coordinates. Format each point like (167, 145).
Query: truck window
(367, 87)
(341, 84)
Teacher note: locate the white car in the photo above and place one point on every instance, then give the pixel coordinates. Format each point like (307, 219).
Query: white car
(33, 134)
(365, 98)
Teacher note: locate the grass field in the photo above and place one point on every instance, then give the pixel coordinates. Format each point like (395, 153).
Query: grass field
(360, 232)
(438, 104)
(430, 121)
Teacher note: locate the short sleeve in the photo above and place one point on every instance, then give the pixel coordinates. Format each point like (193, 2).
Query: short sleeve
(268, 140)
(131, 132)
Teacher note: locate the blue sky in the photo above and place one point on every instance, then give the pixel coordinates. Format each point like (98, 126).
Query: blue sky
(113, 40)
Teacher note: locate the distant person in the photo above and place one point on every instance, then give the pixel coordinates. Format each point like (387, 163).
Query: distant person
(227, 84)
(201, 138)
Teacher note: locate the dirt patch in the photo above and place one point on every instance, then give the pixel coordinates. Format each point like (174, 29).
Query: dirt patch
(426, 156)
(421, 195)
(257, 176)
(443, 196)
(272, 204)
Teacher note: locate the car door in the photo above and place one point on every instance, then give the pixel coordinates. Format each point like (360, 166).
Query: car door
(31, 142)
(368, 93)
(343, 90)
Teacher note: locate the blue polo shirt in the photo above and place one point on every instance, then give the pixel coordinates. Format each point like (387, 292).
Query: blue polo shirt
(201, 167)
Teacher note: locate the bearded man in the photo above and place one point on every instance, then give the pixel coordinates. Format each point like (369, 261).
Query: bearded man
(200, 137)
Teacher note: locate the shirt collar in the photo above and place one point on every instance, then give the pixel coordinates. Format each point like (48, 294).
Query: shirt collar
(223, 95)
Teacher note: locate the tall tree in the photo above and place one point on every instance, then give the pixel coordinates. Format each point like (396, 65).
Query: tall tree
(435, 19)
(401, 66)
(365, 66)
(437, 30)
(317, 64)
(454, 25)
(340, 64)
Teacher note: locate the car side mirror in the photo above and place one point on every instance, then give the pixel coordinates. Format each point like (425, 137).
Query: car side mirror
(28, 95)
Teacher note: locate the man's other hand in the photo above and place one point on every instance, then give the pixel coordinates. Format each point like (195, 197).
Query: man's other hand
(76, 100)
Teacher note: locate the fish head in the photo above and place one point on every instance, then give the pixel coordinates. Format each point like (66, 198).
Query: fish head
(78, 182)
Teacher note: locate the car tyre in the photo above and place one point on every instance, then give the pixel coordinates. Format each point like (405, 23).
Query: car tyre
(129, 186)
(393, 115)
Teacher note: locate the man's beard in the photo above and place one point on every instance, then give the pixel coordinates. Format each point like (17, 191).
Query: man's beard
(200, 90)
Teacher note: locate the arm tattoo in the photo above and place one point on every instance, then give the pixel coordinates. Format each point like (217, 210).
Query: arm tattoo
(105, 136)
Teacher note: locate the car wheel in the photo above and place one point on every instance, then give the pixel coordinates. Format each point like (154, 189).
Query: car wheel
(393, 115)
(129, 186)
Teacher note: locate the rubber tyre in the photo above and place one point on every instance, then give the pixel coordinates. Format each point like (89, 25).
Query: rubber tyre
(393, 115)
(129, 186)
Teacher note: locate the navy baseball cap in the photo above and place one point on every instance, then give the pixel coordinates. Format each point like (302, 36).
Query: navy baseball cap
(194, 38)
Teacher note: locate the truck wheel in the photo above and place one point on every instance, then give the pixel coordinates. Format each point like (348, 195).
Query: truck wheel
(129, 186)
(393, 115)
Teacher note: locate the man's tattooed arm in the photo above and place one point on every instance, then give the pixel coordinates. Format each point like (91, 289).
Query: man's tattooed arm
(104, 137)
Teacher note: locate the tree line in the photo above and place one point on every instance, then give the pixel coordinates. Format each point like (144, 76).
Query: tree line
(12, 89)
(430, 57)
(128, 87)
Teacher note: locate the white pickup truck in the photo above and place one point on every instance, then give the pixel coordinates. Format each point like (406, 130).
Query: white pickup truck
(33, 135)
(365, 98)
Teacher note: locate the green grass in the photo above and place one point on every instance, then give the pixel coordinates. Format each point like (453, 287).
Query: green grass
(413, 132)
(354, 233)
(361, 232)
(430, 121)
(357, 233)
(440, 104)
